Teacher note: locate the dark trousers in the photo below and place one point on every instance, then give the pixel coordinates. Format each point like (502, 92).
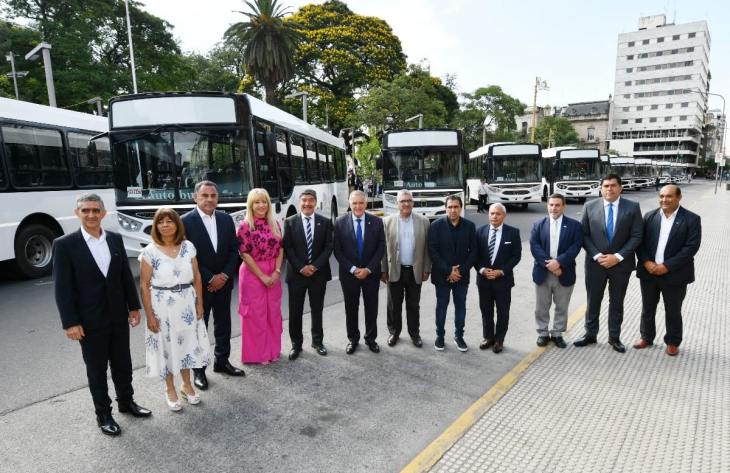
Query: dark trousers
(443, 293)
(482, 202)
(410, 288)
(102, 348)
(298, 289)
(596, 279)
(351, 289)
(220, 304)
(673, 297)
(491, 296)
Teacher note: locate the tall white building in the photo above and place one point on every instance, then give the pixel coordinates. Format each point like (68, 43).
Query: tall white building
(660, 94)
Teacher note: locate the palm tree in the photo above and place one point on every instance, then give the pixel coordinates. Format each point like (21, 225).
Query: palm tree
(268, 43)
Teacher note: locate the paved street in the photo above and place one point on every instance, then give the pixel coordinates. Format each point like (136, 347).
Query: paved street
(364, 412)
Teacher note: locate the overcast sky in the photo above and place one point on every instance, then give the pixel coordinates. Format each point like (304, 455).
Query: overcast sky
(571, 44)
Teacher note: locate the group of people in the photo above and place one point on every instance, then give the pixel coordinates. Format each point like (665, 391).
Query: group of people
(187, 274)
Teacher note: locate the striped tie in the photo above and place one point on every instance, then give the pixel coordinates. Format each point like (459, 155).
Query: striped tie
(490, 247)
(309, 239)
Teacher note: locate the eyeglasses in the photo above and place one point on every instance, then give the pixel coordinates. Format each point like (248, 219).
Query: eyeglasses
(90, 211)
(405, 201)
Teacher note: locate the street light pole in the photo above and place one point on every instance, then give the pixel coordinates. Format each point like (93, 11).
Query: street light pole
(420, 120)
(539, 85)
(11, 59)
(45, 50)
(304, 96)
(131, 48)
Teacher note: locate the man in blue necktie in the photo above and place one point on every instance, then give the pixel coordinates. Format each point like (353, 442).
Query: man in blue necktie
(359, 244)
(612, 231)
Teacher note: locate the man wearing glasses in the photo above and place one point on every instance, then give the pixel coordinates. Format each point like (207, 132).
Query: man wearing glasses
(406, 264)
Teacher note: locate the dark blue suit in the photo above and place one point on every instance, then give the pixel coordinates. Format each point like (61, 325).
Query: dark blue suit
(569, 245)
(211, 262)
(497, 292)
(346, 253)
(682, 245)
(448, 246)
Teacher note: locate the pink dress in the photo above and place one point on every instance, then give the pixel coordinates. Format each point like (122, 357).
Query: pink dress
(259, 306)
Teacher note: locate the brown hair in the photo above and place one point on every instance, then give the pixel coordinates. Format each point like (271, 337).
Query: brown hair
(170, 213)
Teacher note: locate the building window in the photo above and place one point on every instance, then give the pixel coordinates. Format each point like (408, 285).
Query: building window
(645, 55)
(685, 104)
(624, 122)
(646, 41)
(667, 119)
(591, 135)
(660, 40)
(625, 109)
(691, 49)
(630, 57)
(639, 120)
(669, 105)
(682, 118)
(654, 107)
(628, 82)
(692, 35)
(629, 69)
(652, 120)
(627, 96)
(675, 37)
(631, 44)
(639, 108)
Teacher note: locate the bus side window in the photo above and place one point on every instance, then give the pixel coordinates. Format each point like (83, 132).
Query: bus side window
(323, 167)
(35, 157)
(297, 158)
(92, 165)
(266, 164)
(339, 165)
(312, 165)
(331, 164)
(283, 164)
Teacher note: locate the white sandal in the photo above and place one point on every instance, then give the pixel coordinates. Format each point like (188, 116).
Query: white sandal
(174, 406)
(190, 398)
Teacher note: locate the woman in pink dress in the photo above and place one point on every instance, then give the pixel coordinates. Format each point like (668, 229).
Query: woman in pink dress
(259, 286)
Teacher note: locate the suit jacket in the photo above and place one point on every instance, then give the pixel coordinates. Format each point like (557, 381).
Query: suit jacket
(391, 257)
(446, 253)
(345, 245)
(569, 245)
(682, 245)
(509, 253)
(626, 236)
(83, 295)
(210, 261)
(295, 247)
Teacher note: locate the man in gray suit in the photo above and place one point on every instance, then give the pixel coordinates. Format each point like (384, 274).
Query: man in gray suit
(406, 264)
(612, 231)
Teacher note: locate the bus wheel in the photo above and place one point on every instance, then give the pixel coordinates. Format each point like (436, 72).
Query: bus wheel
(523, 206)
(33, 250)
(333, 211)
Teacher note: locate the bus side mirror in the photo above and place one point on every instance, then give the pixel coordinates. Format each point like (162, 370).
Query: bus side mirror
(270, 144)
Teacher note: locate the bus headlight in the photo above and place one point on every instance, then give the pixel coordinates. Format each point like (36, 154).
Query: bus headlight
(561, 186)
(493, 189)
(389, 198)
(127, 223)
(595, 185)
(536, 188)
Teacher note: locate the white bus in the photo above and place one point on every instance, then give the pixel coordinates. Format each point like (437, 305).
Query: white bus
(577, 173)
(623, 166)
(513, 173)
(475, 171)
(429, 163)
(163, 143)
(44, 166)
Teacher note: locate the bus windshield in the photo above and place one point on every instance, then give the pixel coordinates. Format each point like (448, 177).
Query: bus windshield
(514, 169)
(165, 165)
(578, 169)
(422, 169)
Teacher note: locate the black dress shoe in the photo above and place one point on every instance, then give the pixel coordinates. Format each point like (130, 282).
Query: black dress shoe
(542, 340)
(374, 347)
(294, 353)
(617, 345)
(498, 347)
(351, 347)
(320, 349)
(227, 368)
(486, 343)
(108, 425)
(135, 409)
(559, 341)
(585, 341)
(392, 340)
(417, 341)
(200, 380)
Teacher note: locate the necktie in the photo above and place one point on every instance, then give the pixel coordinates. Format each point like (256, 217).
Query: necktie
(358, 236)
(609, 223)
(554, 239)
(309, 239)
(490, 247)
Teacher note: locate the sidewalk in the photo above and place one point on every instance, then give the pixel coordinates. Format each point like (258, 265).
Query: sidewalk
(594, 410)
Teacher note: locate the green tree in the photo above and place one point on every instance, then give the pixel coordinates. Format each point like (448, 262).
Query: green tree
(342, 55)
(488, 108)
(389, 104)
(556, 131)
(367, 154)
(268, 43)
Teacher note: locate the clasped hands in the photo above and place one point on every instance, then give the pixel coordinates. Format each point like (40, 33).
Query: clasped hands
(217, 282)
(361, 273)
(607, 261)
(269, 280)
(490, 273)
(455, 275)
(553, 266)
(308, 270)
(655, 269)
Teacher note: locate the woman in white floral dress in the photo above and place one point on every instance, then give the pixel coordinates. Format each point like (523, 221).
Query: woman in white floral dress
(176, 338)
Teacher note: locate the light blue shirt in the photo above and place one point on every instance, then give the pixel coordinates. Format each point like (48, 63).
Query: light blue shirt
(407, 242)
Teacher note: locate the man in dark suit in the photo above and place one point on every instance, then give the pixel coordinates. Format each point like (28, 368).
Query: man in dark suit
(359, 243)
(214, 236)
(499, 249)
(97, 300)
(555, 242)
(672, 237)
(307, 246)
(452, 248)
(612, 230)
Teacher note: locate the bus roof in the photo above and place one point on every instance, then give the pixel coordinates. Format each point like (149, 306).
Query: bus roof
(484, 150)
(553, 152)
(35, 113)
(621, 159)
(420, 137)
(575, 153)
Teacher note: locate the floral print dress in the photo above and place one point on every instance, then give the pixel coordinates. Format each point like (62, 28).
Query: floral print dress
(182, 341)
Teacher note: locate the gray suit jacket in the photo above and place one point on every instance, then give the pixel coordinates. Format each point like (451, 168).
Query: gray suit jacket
(627, 233)
(391, 257)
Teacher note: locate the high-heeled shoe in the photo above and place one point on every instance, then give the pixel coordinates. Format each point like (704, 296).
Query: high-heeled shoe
(175, 405)
(190, 398)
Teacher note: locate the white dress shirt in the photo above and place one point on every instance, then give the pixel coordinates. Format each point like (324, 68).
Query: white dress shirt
(210, 227)
(664, 230)
(497, 240)
(407, 240)
(99, 250)
(555, 226)
(311, 223)
(615, 219)
(483, 189)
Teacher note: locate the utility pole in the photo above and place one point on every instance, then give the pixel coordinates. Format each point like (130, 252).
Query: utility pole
(539, 85)
(131, 48)
(304, 96)
(420, 120)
